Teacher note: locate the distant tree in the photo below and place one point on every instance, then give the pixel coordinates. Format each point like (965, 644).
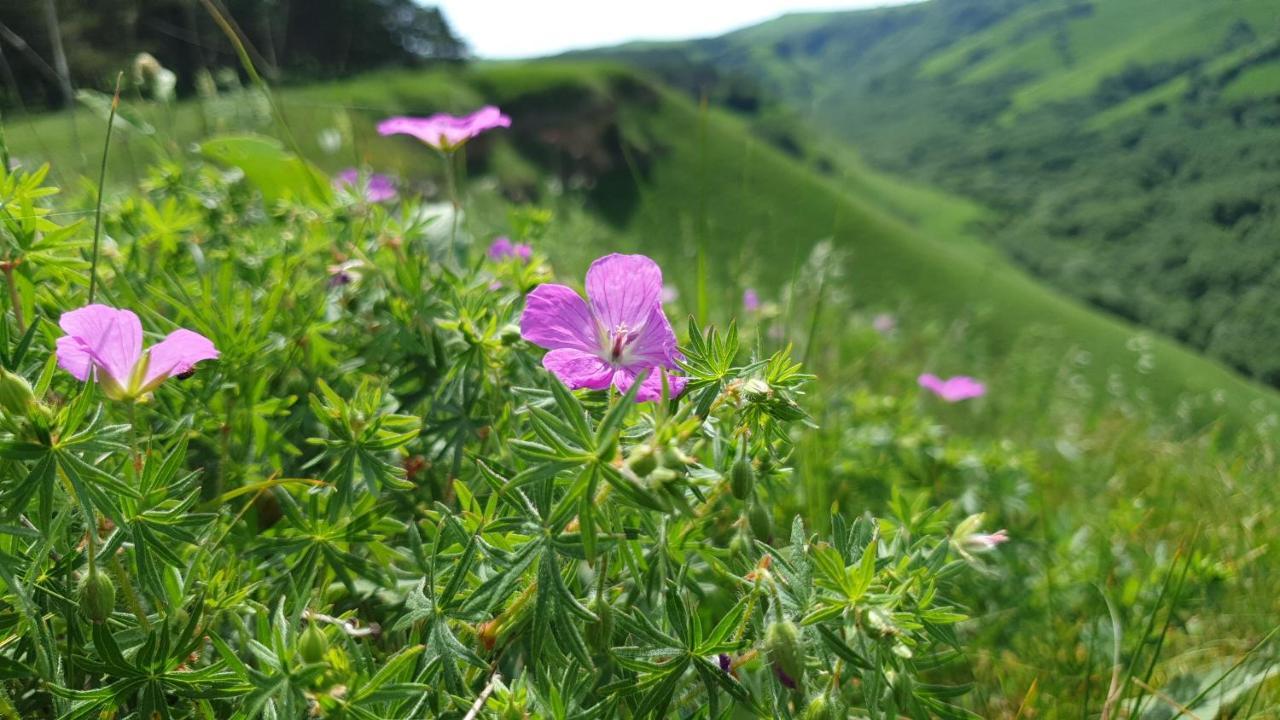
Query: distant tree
(291, 40)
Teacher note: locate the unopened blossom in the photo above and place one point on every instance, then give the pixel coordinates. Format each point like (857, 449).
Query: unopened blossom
(376, 188)
(960, 387)
(446, 132)
(503, 249)
(104, 343)
(751, 300)
(619, 332)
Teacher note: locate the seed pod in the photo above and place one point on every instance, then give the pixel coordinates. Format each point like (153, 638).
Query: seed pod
(313, 645)
(742, 478)
(97, 596)
(642, 461)
(761, 521)
(16, 396)
(782, 645)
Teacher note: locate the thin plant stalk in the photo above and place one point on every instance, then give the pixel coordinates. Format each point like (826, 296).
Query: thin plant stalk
(102, 182)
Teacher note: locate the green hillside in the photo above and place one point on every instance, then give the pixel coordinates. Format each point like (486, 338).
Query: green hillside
(1126, 147)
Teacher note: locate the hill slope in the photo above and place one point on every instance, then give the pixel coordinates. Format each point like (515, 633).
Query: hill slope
(1127, 145)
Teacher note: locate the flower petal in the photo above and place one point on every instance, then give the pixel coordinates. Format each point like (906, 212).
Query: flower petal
(577, 369)
(623, 289)
(557, 317)
(651, 386)
(112, 338)
(74, 358)
(176, 354)
(656, 344)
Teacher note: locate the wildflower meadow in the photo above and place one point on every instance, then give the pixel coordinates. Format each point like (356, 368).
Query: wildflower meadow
(544, 392)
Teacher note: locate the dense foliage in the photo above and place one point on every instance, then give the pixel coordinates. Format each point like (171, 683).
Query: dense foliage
(289, 41)
(1127, 148)
(375, 503)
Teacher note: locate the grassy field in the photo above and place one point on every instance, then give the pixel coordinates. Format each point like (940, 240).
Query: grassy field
(1116, 458)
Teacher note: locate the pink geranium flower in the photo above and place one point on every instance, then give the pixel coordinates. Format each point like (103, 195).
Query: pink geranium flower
(985, 542)
(619, 332)
(503, 249)
(105, 343)
(377, 188)
(750, 300)
(446, 132)
(953, 389)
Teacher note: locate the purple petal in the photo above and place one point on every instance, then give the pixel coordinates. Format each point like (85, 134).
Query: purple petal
(953, 389)
(444, 131)
(651, 386)
(176, 354)
(578, 369)
(74, 358)
(556, 317)
(750, 300)
(501, 248)
(623, 289)
(656, 343)
(523, 251)
(111, 338)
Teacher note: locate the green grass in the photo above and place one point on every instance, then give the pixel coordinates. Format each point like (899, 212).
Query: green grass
(1255, 82)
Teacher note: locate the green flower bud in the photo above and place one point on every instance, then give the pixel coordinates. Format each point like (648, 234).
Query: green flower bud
(97, 596)
(782, 645)
(761, 521)
(642, 461)
(600, 633)
(16, 396)
(742, 478)
(313, 645)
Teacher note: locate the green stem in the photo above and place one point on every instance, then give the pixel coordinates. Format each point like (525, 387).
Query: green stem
(451, 182)
(14, 300)
(102, 181)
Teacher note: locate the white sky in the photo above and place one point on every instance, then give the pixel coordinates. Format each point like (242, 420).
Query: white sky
(525, 28)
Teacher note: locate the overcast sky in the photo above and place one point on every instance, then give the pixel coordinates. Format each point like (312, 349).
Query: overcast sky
(525, 28)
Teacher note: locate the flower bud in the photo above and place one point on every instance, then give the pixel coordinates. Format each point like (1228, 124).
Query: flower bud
(97, 596)
(782, 645)
(313, 644)
(742, 478)
(600, 633)
(642, 461)
(16, 397)
(761, 520)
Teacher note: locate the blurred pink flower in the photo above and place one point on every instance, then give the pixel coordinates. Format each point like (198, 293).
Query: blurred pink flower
(446, 132)
(377, 189)
(983, 543)
(670, 293)
(619, 332)
(751, 300)
(884, 323)
(953, 389)
(106, 344)
(502, 249)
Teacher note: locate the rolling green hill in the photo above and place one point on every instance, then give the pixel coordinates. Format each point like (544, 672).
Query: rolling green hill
(1126, 146)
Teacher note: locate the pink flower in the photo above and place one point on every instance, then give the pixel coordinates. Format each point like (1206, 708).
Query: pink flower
(750, 300)
(106, 343)
(620, 332)
(502, 249)
(446, 132)
(377, 188)
(953, 389)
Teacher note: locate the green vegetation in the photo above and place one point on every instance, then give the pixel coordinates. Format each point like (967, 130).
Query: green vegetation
(1123, 147)
(1130, 472)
